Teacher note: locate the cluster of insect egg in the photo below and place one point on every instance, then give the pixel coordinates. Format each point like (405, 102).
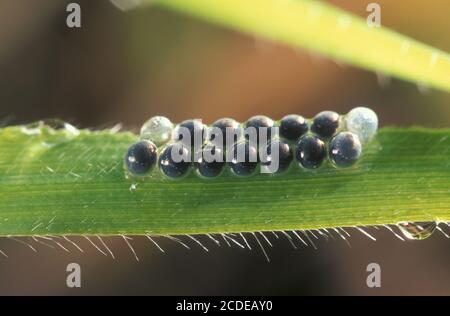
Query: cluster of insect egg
(309, 142)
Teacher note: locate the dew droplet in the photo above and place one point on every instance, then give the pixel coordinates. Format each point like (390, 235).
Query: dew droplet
(32, 129)
(133, 187)
(70, 130)
(54, 131)
(417, 230)
(158, 129)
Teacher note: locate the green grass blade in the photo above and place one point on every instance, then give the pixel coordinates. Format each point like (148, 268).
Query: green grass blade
(330, 31)
(53, 185)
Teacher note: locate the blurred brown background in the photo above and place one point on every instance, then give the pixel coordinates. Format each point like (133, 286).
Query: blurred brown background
(128, 66)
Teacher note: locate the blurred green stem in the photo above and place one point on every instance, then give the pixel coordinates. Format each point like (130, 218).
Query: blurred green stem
(322, 28)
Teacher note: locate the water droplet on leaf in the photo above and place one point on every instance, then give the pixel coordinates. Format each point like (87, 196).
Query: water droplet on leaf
(67, 129)
(417, 230)
(54, 131)
(133, 187)
(31, 129)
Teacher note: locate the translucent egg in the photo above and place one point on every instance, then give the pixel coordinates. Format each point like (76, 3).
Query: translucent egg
(158, 129)
(363, 122)
(310, 152)
(345, 149)
(325, 124)
(174, 161)
(141, 157)
(192, 133)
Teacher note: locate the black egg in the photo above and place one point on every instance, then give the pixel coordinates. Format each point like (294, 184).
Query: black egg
(293, 126)
(243, 159)
(258, 122)
(345, 149)
(141, 157)
(325, 124)
(209, 161)
(174, 162)
(277, 163)
(194, 128)
(223, 125)
(310, 152)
